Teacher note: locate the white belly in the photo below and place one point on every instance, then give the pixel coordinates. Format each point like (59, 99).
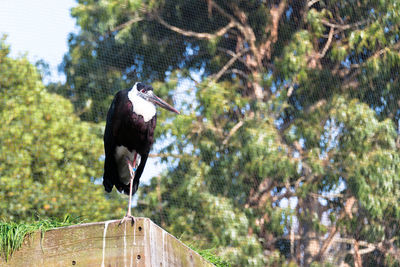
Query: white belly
(121, 155)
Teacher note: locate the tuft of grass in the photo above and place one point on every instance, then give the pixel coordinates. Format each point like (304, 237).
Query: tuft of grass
(12, 234)
(209, 254)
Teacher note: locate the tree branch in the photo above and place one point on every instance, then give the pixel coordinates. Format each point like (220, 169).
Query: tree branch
(123, 25)
(312, 2)
(248, 33)
(165, 155)
(343, 27)
(232, 54)
(357, 256)
(327, 196)
(239, 72)
(330, 239)
(128, 23)
(396, 46)
(212, 4)
(276, 14)
(244, 29)
(327, 243)
(228, 64)
(350, 75)
(308, 110)
(328, 43)
(202, 35)
(369, 247)
(232, 132)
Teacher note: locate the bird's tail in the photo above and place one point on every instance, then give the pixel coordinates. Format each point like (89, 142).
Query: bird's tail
(107, 185)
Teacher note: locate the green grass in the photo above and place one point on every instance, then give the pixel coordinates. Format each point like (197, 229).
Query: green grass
(12, 234)
(209, 254)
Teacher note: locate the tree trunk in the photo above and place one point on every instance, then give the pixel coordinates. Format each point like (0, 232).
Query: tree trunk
(310, 241)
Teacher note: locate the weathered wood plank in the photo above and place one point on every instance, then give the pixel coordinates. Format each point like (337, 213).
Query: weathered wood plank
(106, 244)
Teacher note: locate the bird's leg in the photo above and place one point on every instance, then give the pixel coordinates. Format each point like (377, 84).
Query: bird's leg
(132, 171)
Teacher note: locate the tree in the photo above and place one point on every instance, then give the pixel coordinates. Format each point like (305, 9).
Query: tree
(49, 158)
(287, 149)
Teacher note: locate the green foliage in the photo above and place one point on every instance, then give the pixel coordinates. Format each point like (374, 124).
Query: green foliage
(289, 122)
(49, 159)
(209, 254)
(293, 64)
(12, 234)
(206, 220)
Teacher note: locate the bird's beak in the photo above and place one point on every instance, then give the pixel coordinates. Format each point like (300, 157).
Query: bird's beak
(158, 101)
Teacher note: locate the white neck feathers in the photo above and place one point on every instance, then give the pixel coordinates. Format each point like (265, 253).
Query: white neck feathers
(141, 106)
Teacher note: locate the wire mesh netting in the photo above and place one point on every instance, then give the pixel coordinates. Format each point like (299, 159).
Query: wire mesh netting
(286, 151)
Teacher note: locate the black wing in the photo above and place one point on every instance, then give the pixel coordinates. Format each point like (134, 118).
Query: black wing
(110, 177)
(144, 156)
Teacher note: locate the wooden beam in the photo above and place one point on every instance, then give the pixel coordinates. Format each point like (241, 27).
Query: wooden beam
(105, 244)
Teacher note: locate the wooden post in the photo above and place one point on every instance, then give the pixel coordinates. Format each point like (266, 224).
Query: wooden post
(106, 244)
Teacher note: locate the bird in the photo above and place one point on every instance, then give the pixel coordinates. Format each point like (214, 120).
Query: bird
(128, 138)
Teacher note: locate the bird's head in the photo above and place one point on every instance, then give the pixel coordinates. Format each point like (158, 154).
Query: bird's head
(146, 92)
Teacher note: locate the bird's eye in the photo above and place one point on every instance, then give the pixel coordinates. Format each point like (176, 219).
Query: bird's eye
(142, 90)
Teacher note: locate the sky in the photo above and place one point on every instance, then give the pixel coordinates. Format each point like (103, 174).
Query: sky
(40, 28)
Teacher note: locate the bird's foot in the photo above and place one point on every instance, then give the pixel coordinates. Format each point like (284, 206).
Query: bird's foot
(127, 218)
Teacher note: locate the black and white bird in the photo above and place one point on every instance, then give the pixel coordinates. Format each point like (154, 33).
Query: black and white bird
(128, 137)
